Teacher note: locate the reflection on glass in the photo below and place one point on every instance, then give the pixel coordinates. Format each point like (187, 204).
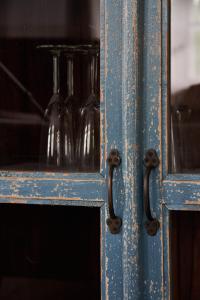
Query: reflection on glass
(60, 133)
(185, 85)
(88, 142)
(26, 81)
(71, 100)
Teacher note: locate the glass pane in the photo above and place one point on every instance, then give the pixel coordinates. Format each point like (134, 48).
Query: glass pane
(48, 253)
(185, 85)
(185, 255)
(49, 83)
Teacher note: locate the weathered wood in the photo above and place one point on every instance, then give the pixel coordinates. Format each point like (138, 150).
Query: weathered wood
(151, 248)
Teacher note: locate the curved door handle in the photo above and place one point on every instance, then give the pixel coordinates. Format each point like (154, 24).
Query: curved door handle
(151, 161)
(114, 223)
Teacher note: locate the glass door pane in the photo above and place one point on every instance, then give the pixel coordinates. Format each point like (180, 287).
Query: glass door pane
(185, 85)
(49, 252)
(49, 83)
(185, 255)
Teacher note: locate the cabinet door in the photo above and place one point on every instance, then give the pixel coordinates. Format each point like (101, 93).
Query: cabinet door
(170, 91)
(27, 184)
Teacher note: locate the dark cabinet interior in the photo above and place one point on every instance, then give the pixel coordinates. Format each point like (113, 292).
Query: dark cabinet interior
(185, 255)
(49, 252)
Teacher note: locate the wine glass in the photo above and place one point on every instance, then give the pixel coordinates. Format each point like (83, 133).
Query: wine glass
(71, 100)
(59, 145)
(88, 141)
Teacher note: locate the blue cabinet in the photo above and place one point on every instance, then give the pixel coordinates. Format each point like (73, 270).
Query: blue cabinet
(134, 117)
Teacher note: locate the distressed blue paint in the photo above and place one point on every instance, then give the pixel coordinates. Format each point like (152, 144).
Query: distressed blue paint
(181, 192)
(150, 90)
(182, 177)
(50, 175)
(131, 113)
(52, 189)
(53, 202)
(102, 88)
(165, 83)
(113, 139)
(183, 207)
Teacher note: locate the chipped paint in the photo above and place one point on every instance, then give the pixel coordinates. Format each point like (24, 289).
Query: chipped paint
(13, 197)
(150, 85)
(196, 202)
(12, 175)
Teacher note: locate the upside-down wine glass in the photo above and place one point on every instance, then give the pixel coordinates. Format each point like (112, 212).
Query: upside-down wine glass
(88, 142)
(60, 146)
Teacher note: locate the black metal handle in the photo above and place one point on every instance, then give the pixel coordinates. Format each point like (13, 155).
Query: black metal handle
(114, 223)
(151, 161)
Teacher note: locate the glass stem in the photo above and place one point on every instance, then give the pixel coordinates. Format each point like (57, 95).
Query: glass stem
(93, 74)
(70, 75)
(56, 77)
